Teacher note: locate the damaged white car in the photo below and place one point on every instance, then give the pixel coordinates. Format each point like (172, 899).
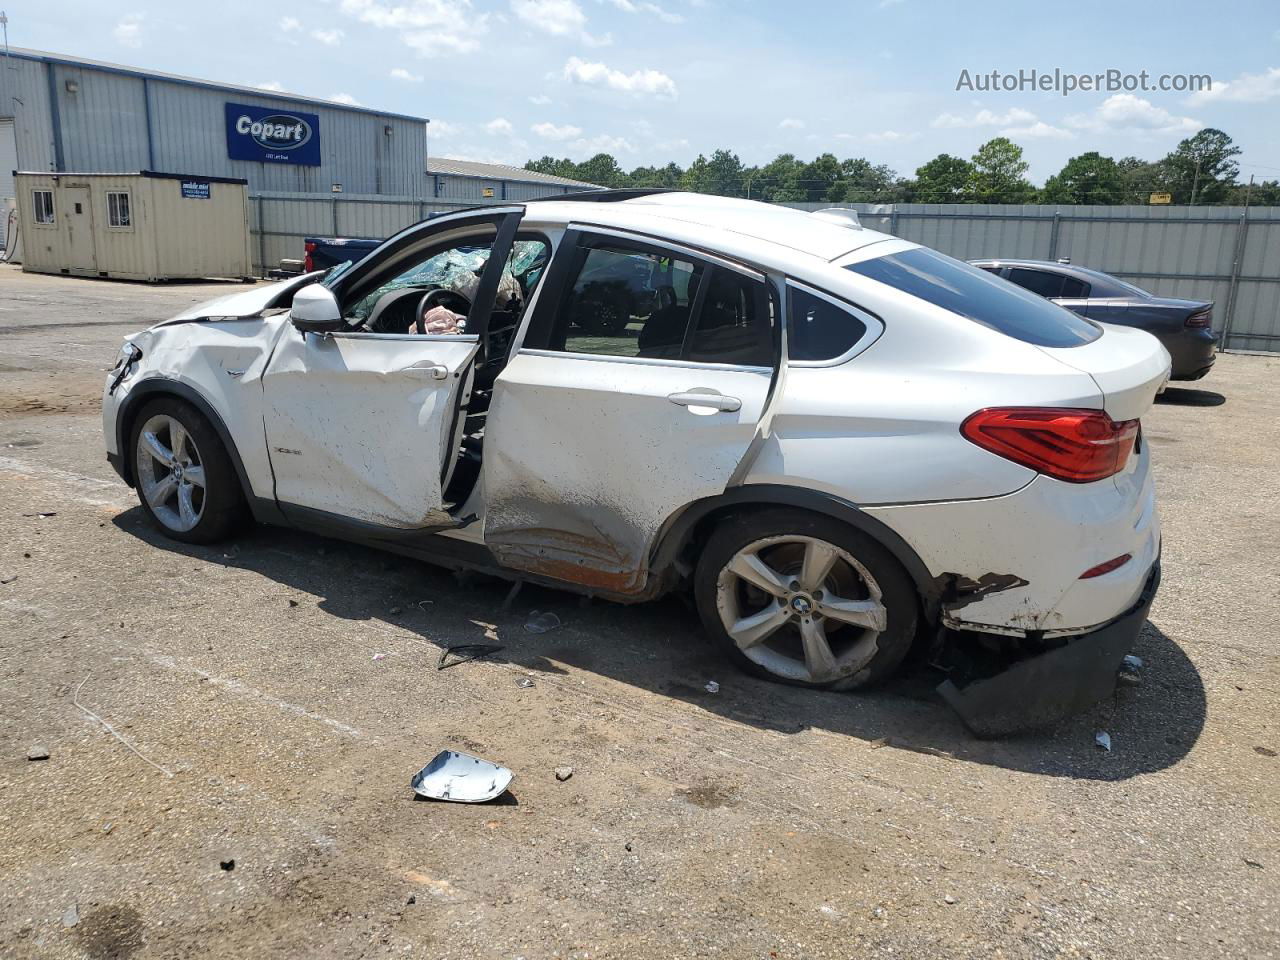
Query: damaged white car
(838, 440)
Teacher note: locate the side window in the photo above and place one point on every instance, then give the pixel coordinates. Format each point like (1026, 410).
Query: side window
(118, 210)
(1074, 289)
(733, 325)
(995, 270)
(628, 303)
(1037, 281)
(817, 329)
(42, 205)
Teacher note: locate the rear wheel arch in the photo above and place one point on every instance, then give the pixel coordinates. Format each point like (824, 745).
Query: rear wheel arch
(684, 535)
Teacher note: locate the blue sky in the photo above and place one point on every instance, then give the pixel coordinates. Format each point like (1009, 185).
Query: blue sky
(506, 80)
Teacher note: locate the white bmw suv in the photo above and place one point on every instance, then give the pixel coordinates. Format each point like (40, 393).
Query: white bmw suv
(838, 440)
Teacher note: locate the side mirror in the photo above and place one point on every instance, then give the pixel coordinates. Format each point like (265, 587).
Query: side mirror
(315, 309)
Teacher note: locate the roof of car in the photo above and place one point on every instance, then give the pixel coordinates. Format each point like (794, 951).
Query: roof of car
(1104, 284)
(676, 212)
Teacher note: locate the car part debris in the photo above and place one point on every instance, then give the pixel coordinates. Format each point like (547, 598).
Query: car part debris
(564, 773)
(541, 622)
(379, 656)
(465, 653)
(1131, 663)
(461, 778)
(72, 916)
(1043, 688)
(524, 682)
(38, 752)
(42, 515)
(1103, 740)
(7, 580)
(712, 687)
(229, 864)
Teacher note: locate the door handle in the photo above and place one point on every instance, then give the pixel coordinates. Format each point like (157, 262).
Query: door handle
(435, 370)
(717, 401)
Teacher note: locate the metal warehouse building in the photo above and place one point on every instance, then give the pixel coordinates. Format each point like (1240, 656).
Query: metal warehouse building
(312, 166)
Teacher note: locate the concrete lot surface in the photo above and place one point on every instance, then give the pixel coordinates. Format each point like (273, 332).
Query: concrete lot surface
(280, 691)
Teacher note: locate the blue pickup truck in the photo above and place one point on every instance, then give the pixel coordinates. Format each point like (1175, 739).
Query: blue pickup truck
(325, 252)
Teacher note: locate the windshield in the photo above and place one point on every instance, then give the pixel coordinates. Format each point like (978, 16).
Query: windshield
(336, 272)
(979, 296)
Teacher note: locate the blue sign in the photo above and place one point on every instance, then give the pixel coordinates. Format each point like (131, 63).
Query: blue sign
(195, 189)
(272, 136)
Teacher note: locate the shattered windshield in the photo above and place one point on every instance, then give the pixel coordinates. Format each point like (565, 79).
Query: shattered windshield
(336, 272)
(459, 269)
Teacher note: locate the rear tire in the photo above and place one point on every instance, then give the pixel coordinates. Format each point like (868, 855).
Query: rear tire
(184, 477)
(798, 598)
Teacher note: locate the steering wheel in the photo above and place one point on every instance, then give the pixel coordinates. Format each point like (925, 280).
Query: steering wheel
(449, 299)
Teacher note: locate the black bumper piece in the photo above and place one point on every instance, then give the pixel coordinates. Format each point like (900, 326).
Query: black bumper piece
(1043, 689)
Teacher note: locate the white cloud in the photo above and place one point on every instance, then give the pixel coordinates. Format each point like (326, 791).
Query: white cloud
(431, 28)
(400, 73)
(666, 16)
(275, 86)
(549, 131)
(985, 118)
(604, 143)
(1126, 113)
(443, 129)
(541, 100)
(640, 83)
(330, 38)
(791, 123)
(499, 125)
(881, 136)
(1246, 88)
(560, 18)
(346, 98)
(290, 24)
(1037, 131)
(128, 32)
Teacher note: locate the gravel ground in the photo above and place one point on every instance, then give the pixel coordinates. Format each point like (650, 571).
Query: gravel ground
(273, 697)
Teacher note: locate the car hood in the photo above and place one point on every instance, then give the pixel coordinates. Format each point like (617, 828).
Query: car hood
(246, 303)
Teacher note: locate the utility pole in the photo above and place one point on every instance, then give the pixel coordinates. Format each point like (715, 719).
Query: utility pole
(1195, 184)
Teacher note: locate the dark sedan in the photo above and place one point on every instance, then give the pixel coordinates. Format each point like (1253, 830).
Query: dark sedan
(1185, 327)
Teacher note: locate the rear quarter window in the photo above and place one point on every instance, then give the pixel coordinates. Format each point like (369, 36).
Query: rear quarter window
(978, 296)
(817, 329)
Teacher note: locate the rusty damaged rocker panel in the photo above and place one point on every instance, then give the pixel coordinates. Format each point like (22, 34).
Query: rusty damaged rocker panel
(1047, 687)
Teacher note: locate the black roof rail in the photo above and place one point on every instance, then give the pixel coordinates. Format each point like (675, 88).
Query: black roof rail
(604, 195)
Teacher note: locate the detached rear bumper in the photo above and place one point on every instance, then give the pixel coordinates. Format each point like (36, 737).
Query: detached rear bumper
(1045, 688)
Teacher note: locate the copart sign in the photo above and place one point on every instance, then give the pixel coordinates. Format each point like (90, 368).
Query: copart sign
(272, 136)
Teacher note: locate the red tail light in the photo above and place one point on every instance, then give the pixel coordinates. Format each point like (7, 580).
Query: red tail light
(1079, 446)
(1201, 318)
(308, 265)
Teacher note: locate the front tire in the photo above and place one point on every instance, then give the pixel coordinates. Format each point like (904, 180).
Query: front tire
(184, 478)
(802, 599)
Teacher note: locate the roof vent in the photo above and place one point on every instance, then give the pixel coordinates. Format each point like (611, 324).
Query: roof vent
(842, 216)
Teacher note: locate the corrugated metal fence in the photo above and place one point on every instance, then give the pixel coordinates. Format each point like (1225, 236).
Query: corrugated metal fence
(1225, 254)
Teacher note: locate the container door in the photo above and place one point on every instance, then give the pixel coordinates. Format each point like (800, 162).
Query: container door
(77, 220)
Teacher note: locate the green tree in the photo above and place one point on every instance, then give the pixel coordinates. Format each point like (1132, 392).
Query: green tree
(778, 181)
(668, 176)
(1202, 169)
(602, 170)
(944, 179)
(821, 179)
(864, 182)
(556, 168)
(1139, 179)
(1088, 178)
(721, 175)
(999, 174)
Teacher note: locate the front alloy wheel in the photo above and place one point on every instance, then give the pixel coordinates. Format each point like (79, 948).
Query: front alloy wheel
(185, 478)
(171, 473)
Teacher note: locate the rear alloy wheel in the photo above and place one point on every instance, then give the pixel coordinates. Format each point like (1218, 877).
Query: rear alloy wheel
(183, 475)
(823, 606)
